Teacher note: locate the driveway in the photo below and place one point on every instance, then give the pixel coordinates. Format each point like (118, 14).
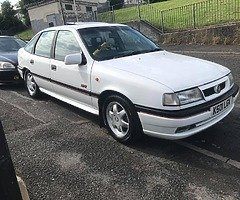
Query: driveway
(62, 153)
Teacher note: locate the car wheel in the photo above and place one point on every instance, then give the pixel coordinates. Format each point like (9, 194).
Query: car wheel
(121, 119)
(32, 87)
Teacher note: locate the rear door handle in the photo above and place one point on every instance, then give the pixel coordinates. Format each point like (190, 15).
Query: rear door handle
(31, 61)
(53, 67)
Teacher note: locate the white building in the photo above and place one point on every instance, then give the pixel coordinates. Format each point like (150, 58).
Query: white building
(49, 13)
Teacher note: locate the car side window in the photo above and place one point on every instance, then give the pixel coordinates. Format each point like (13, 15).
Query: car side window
(44, 44)
(66, 44)
(30, 45)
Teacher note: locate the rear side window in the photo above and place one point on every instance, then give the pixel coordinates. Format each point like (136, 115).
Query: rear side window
(44, 44)
(66, 44)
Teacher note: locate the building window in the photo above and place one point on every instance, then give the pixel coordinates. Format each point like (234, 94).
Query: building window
(51, 24)
(88, 8)
(68, 7)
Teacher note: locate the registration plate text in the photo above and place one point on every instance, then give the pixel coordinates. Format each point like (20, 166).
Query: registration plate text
(221, 106)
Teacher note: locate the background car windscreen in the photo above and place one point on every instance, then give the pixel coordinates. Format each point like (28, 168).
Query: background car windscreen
(8, 44)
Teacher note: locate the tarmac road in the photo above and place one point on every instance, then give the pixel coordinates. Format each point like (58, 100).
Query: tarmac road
(62, 153)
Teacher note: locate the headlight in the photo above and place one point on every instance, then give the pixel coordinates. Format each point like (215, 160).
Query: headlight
(6, 65)
(230, 77)
(182, 98)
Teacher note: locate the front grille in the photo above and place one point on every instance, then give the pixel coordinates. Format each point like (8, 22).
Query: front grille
(210, 91)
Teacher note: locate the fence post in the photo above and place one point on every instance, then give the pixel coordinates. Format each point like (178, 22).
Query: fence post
(161, 14)
(62, 12)
(113, 14)
(96, 15)
(194, 16)
(139, 11)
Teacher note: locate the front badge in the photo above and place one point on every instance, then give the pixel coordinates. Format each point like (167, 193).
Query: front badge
(217, 89)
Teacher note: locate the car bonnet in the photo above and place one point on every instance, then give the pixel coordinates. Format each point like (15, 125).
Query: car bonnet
(175, 71)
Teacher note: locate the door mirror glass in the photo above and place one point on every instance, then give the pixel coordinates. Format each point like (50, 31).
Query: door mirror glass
(73, 59)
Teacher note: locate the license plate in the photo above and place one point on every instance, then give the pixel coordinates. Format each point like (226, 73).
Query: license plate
(221, 106)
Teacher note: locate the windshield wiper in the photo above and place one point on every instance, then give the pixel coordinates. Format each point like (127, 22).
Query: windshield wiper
(124, 54)
(131, 53)
(156, 49)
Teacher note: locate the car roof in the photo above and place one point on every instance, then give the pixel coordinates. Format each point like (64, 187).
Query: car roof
(81, 25)
(6, 36)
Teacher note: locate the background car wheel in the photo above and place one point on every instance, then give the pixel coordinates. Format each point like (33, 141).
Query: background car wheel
(121, 119)
(31, 85)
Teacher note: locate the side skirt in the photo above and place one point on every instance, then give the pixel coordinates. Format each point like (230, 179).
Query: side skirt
(72, 102)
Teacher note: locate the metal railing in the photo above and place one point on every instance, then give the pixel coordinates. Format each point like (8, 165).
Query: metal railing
(202, 14)
(191, 16)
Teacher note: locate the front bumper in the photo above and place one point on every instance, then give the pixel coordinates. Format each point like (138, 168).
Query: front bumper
(10, 76)
(164, 124)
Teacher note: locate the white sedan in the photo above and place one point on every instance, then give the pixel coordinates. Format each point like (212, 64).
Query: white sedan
(135, 87)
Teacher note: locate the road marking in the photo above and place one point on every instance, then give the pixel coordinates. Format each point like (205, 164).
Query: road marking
(84, 121)
(22, 96)
(234, 163)
(237, 105)
(22, 109)
(208, 52)
(35, 128)
(210, 154)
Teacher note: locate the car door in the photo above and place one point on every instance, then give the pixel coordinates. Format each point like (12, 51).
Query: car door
(72, 82)
(39, 61)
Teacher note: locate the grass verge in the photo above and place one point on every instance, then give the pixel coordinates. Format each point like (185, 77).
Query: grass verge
(179, 14)
(25, 35)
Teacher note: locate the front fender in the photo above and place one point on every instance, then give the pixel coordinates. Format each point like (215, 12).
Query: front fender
(139, 90)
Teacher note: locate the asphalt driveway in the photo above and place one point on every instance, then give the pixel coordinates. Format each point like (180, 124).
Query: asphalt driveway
(62, 153)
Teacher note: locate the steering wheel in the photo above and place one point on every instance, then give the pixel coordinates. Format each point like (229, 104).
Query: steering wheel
(103, 46)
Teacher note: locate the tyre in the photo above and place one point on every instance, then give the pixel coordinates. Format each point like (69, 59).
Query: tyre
(121, 119)
(32, 87)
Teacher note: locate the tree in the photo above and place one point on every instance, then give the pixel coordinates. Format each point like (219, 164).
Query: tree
(24, 12)
(7, 10)
(1, 23)
(116, 4)
(8, 19)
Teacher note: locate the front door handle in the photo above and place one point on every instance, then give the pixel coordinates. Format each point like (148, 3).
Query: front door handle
(31, 61)
(53, 67)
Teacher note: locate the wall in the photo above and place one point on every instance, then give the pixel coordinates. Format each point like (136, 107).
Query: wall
(146, 29)
(225, 34)
(40, 12)
(39, 16)
(50, 12)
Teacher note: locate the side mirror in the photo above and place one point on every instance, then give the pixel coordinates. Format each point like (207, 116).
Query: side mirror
(74, 59)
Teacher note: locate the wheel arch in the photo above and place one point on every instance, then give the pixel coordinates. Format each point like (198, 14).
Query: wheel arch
(103, 96)
(24, 70)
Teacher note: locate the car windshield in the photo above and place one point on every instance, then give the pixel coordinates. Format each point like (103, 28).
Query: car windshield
(8, 44)
(104, 43)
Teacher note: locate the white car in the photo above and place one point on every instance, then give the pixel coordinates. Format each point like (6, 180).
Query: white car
(135, 87)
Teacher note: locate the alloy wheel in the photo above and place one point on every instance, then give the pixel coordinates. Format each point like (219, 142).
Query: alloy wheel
(117, 119)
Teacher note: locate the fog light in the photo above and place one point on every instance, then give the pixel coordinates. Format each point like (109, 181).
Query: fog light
(16, 77)
(184, 128)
